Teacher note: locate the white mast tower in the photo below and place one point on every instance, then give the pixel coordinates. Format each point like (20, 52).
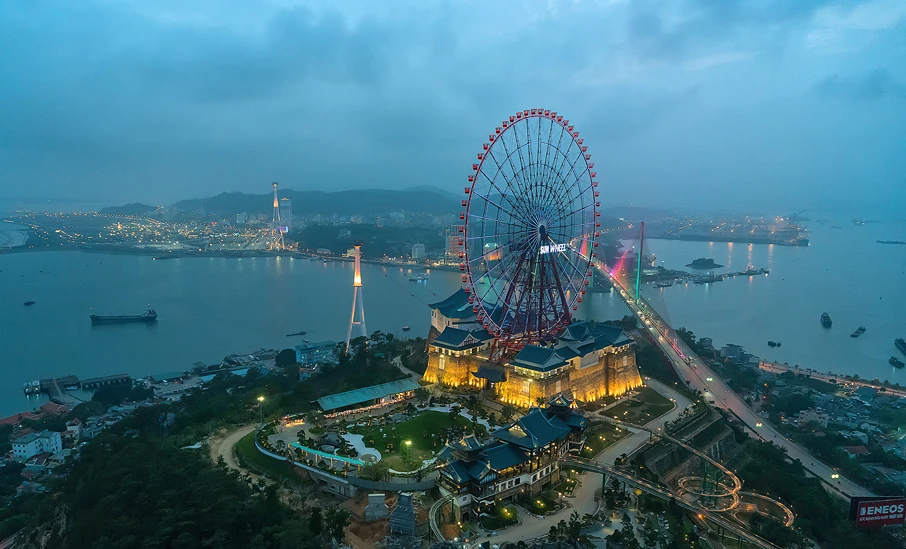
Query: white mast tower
(357, 303)
(277, 242)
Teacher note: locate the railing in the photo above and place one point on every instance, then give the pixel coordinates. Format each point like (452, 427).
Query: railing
(391, 486)
(432, 516)
(305, 466)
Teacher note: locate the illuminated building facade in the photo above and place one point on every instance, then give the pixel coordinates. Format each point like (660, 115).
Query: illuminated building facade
(519, 459)
(588, 361)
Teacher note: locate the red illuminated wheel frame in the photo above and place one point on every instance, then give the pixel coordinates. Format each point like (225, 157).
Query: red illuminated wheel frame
(530, 227)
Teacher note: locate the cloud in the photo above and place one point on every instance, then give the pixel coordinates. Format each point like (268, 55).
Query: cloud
(672, 31)
(838, 29)
(158, 100)
(873, 86)
(709, 61)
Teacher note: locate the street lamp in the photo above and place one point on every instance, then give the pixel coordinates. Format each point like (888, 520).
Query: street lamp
(260, 413)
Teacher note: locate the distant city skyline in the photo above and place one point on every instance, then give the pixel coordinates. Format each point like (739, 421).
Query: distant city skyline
(773, 106)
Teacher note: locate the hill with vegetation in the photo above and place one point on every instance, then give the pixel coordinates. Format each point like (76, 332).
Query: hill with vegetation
(359, 202)
(135, 208)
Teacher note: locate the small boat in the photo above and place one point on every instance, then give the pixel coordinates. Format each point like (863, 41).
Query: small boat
(296, 334)
(772, 343)
(896, 362)
(859, 331)
(406, 328)
(418, 278)
(29, 303)
(663, 284)
(826, 320)
(901, 345)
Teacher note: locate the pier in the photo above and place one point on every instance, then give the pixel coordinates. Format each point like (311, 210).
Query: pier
(95, 382)
(56, 388)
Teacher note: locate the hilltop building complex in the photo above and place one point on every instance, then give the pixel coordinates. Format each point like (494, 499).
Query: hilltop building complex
(587, 361)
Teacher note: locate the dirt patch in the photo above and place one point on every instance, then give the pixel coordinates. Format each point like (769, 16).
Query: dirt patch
(223, 444)
(366, 535)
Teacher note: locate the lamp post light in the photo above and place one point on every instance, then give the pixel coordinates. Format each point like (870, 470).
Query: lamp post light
(408, 444)
(260, 413)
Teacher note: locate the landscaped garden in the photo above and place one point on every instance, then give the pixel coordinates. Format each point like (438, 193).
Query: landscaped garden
(500, 517)
(599, 436)
(547, 502)
(406, 444)
(647, 405)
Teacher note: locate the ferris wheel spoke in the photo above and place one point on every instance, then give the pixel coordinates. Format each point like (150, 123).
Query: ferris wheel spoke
(508, 182)
(517, 174)
(547, 160)
(522, 163)
(488, 198)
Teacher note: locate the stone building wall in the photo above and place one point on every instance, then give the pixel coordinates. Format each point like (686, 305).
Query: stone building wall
(516, 391)
(609, 377)
(456, 370)
(621, 377)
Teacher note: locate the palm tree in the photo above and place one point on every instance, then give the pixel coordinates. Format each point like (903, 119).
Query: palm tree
(539, 401)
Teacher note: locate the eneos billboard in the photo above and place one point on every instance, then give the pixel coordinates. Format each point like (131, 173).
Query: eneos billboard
(877, 511)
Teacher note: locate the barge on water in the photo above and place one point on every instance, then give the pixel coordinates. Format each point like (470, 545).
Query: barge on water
(148, 316)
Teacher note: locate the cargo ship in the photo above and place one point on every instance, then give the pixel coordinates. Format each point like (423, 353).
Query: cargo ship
(148, 316)
(826, 320)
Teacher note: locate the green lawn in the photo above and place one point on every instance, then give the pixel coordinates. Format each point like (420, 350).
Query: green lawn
(423, 430)
(250, 457)
(600, 436)
(644, 407)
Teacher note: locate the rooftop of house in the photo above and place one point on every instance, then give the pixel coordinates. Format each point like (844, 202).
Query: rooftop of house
(456, 339)
(31, 437)
(456, 306)
(856, 450)
(365, 394)
(54, 408)
(509, 446)
(577, 340)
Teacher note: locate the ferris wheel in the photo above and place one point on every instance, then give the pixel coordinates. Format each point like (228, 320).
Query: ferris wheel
(529, 230)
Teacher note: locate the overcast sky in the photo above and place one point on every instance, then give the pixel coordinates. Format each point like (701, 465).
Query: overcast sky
(759, 103)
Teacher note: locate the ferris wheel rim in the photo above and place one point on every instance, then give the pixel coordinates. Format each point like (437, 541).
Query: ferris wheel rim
(516, 216)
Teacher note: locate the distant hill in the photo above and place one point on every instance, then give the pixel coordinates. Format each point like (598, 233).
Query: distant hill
(367, 201)
(135, 208)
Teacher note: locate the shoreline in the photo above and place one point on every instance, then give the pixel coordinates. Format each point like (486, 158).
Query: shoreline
(115, 249)
(13, 239)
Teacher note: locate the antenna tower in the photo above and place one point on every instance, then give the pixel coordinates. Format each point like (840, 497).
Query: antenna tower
(357, 303)
(277, 226)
